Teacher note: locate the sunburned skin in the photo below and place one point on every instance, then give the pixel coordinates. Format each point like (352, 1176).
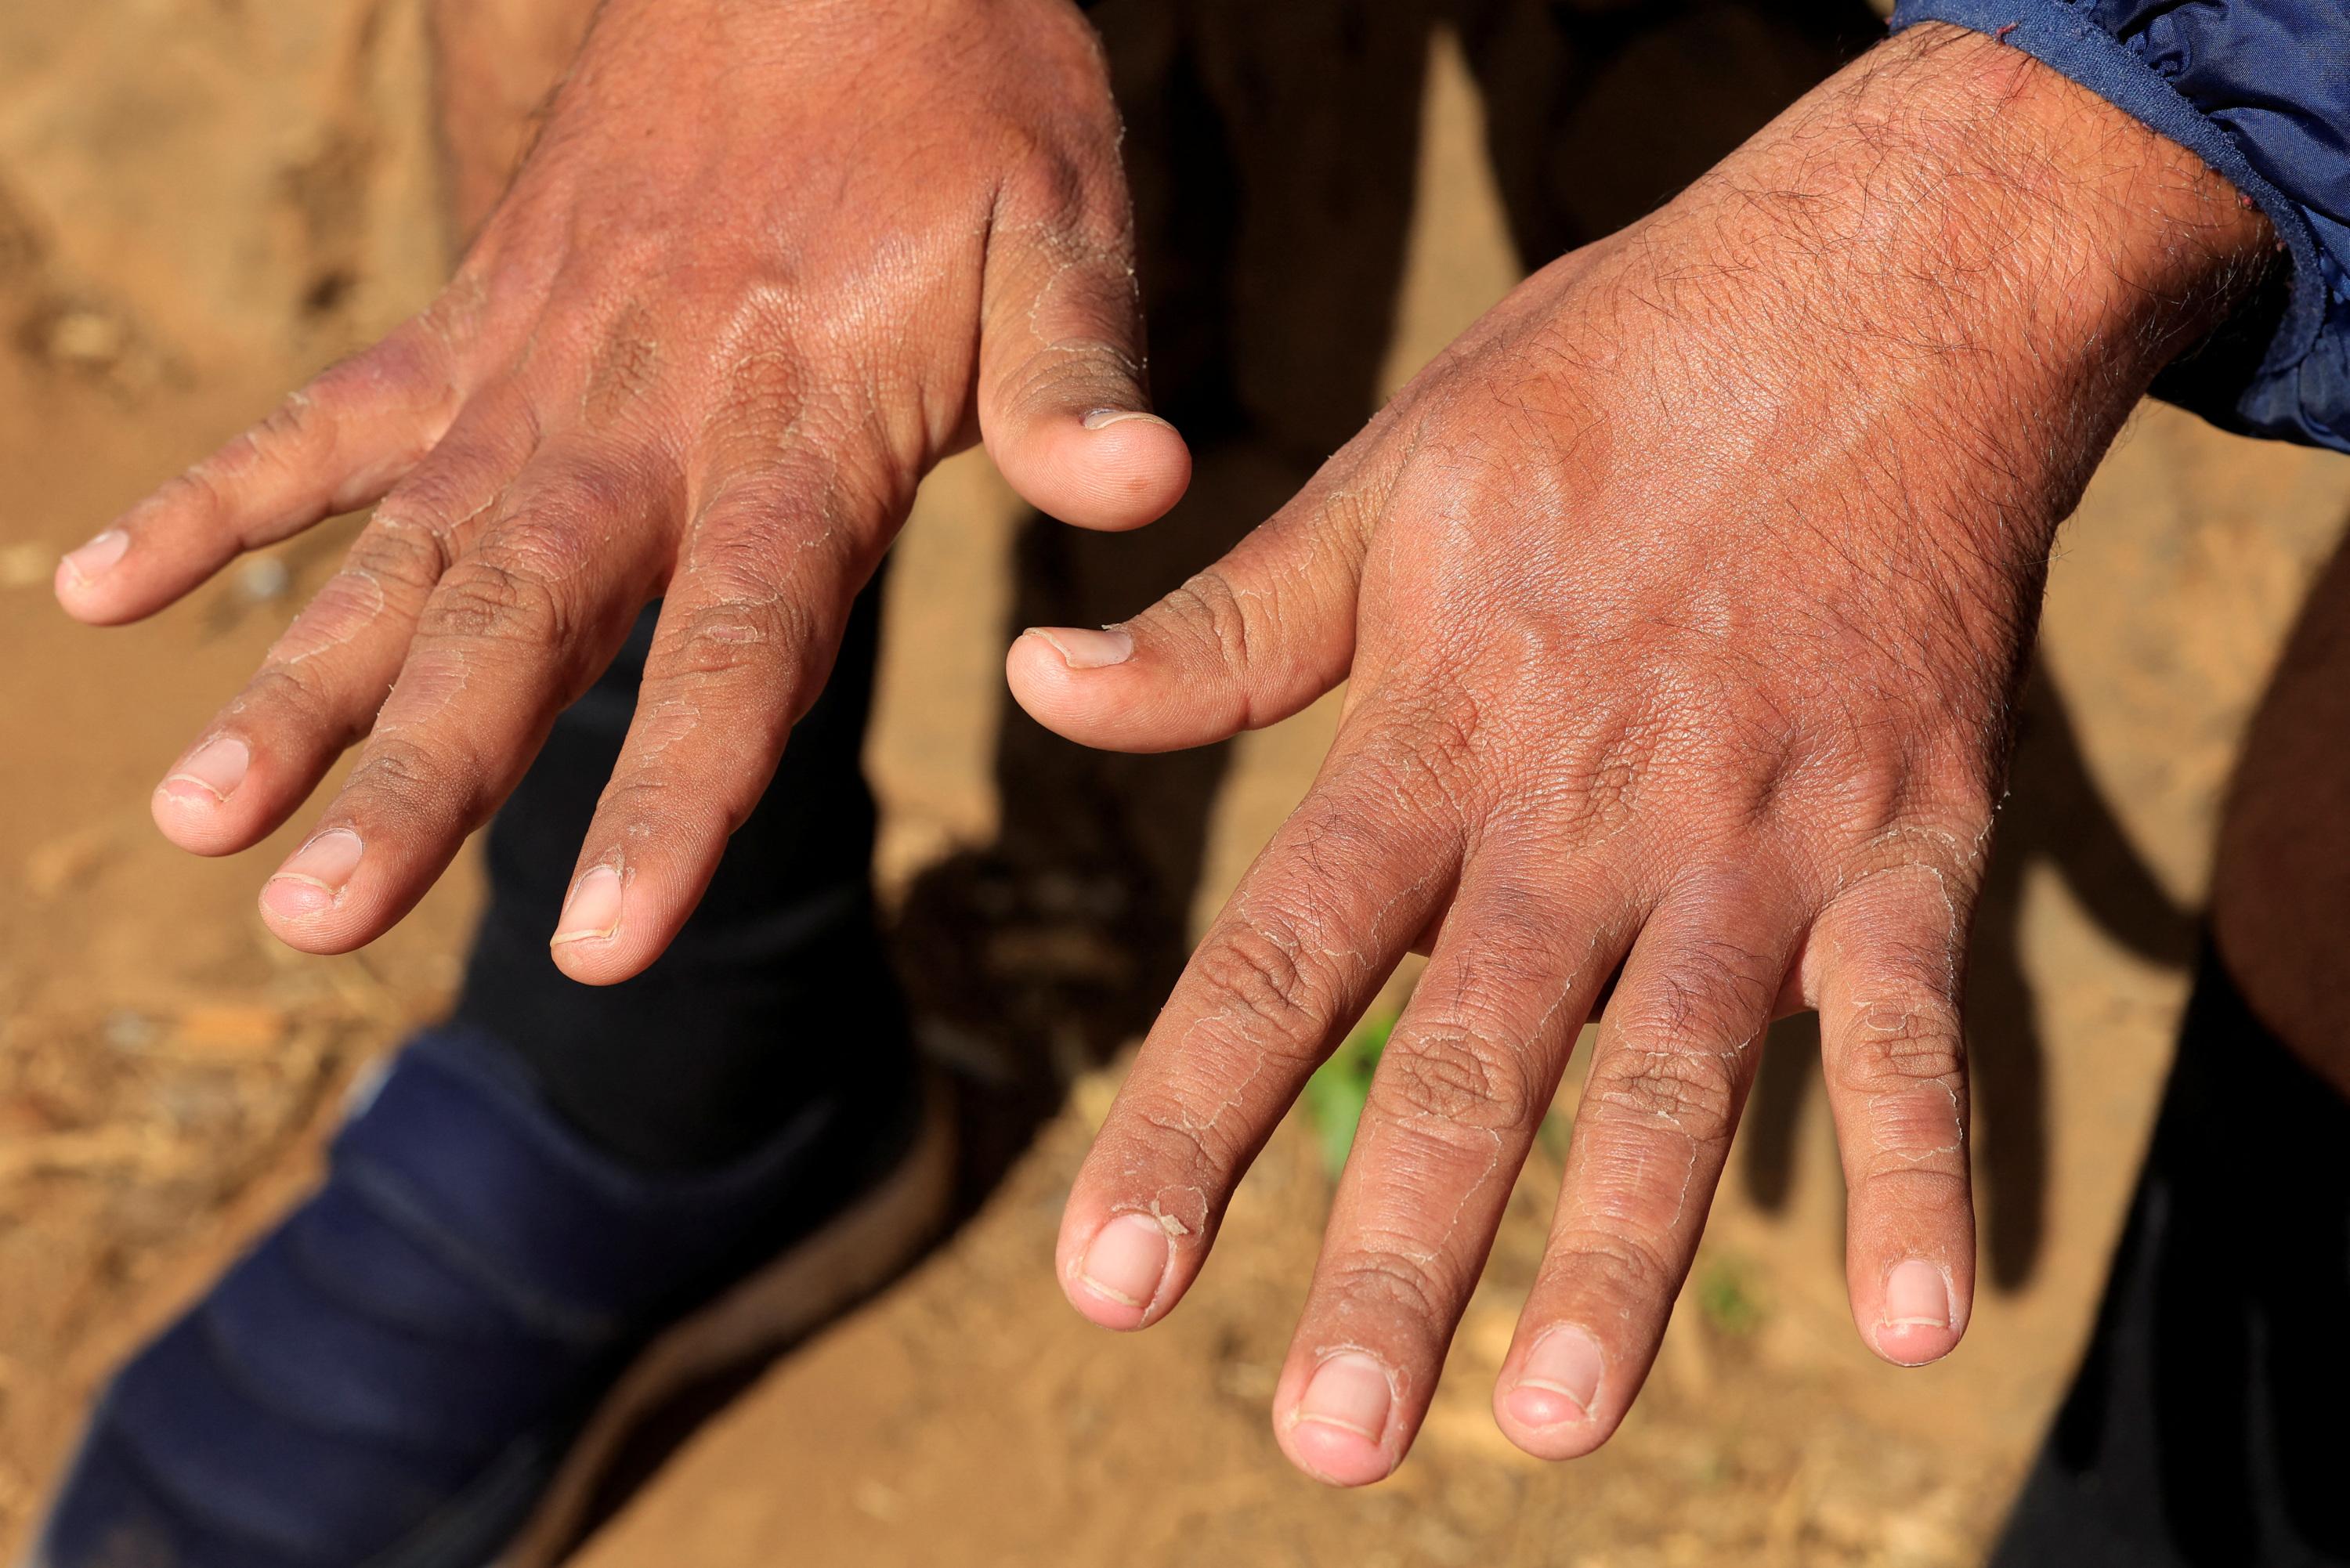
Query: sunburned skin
(1680, 603)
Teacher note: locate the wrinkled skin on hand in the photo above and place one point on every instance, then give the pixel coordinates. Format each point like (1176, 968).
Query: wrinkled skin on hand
(1681, 601)
(765, 266)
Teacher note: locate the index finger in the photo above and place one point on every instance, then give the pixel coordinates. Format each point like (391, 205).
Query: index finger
(338, 444)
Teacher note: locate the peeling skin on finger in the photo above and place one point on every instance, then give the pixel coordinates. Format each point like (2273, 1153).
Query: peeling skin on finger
(1358, 953)
(1075, 255)
(1398, 1230)
(1953, 935)
(1917, 1125)
(665, 723)
(346, 607)
(427, 689)
(1637, 1160)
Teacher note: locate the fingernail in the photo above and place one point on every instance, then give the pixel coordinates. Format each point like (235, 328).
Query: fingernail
(1350, 1391)
(593, 910)
(1125, 1261)
(1560, 1378)
(1083, 648)
(97, 555)
(211, 772)
(314, 877)
(1916, 1296)
(1101, 417)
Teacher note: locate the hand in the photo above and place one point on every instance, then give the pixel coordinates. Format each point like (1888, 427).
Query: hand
(766, 266)
(1682, 598)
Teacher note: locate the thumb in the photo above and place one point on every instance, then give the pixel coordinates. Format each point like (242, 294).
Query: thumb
(1246, 643)
(1063, 406)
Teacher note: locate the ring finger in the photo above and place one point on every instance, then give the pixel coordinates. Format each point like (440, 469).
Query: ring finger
(1669, 1076)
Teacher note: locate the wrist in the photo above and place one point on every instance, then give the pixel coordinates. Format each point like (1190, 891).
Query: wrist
(2099, 227)
(1957, 183)
(1952, 255)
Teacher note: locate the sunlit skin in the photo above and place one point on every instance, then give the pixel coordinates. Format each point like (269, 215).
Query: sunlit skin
(764, 266)
(1681, 601)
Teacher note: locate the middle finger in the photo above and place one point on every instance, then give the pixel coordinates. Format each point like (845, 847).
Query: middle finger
(1452, 1110)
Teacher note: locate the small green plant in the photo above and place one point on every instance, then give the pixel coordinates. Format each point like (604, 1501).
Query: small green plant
(1335, 1094)
(1555, 1134)
(1726, 1299)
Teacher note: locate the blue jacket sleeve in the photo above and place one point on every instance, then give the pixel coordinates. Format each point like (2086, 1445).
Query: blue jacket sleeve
(2258, 89)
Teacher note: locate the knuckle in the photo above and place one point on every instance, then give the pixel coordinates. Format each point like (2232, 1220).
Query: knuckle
(396, 770)
(542, 539)
(1692, 1090)
(1051, 180)
(724, 637)
(1422, 753)
(421, 520)
(285, 694)
(650, 802)
(767, 395)
(290, 435)
(1213, 615)
(1606, 775)
(1454, 1076)
(1909, 1033)
(1902, 1054)
(637, 797)
(340, 611)
(1620, 1266)
(1904, 1049)
(1285, 1000)
(407, 362)
(294, 424)
(195, 492)
(1931, 821)
(1392, 1283)
(393, 555)
(490, 599)
(1064, 196)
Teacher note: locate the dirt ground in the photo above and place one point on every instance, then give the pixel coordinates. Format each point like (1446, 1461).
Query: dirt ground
(202, 200)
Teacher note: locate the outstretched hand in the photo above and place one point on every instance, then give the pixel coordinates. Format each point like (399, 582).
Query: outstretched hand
(765, 265)
(1681, 601)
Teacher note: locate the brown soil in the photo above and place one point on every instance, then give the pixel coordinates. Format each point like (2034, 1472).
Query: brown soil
(200, 201)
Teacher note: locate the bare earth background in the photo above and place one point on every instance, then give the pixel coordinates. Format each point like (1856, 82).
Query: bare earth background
(201, 201)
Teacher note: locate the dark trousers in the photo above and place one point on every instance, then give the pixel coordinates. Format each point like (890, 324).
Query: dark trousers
(776, 996)
(2206, 1425)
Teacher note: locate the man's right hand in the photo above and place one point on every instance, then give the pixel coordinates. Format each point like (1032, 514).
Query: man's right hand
(764, 267)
